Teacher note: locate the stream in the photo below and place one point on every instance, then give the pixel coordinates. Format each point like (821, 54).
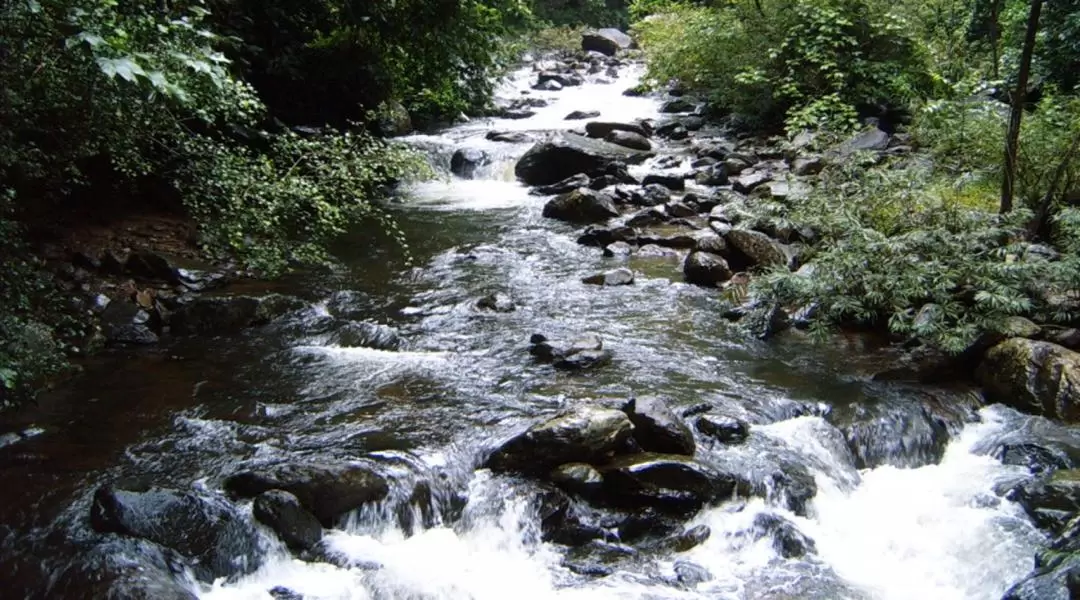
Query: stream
(908, 494)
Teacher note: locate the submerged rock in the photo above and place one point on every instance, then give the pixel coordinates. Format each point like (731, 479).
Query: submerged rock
(327, 491)
(614, 277)
(1035, 377)
(788, 541)
(581, 435)
(211, 532)
(657, 428)
(281, 511)
(228, 314)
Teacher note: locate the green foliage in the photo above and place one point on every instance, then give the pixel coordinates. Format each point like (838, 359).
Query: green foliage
(594, 13)
(809, 62)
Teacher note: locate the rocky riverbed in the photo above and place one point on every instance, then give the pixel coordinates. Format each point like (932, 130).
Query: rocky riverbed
(554, 403)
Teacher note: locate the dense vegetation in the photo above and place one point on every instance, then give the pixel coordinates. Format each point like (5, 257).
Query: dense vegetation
(929, 245)
(193, 107)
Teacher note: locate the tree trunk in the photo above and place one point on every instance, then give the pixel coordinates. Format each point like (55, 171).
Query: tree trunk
(1012, 136)
(995, 33)
(1042, 215)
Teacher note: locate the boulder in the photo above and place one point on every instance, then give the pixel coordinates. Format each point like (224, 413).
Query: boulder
(614, 277)
(787, 540)
(509, 137)
(579, 115)
(144, 264)
(629, 139)
(207, 530)
(689, 539)
(668, 483)
(657, 428)
(584, 352)
(649, 216)
(712, 175)
(584, 434)
(671, 182)
(1051, 499)
(359, 334)
(581, 206)
(748, 182)
(326, 491)
(726, 430)
(466, 161)
(871, 140)
(569, 154)
(651, 195)
(755, 249)
(605, 236)
(577, 478)
(1034, 377)
(601, 129)
(562, 187)
(281, 511)
(1037, 459)
(808, 165)
(227, 314)
(711, 243)
(673, 130)
(605, 41)
(677, 105)
(126, 323)
(564, 79)
(704, 268)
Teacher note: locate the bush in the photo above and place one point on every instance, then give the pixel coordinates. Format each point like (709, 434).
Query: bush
(593, 13)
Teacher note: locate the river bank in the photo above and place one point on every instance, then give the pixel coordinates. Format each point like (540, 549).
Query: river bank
(388, 388)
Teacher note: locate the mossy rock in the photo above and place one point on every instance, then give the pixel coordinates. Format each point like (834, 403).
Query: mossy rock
(1034, 377)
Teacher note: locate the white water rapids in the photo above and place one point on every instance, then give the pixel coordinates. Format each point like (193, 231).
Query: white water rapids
(937, 532)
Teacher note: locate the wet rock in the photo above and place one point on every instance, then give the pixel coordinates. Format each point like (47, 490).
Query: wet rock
(614, 277)
(657, 428)
(605, 41)
(579, 115)
(604, 236)
(668, 239)
(108, 571)
(651, 195)
(1050, 499)
(145, 264)
(726, 430)
(583, 434)
(647, 523)
(516, 114)
(210, 532)
(284, 593)
(669, 483)
(691, 574)
(748, 182)
(680, 210)
(677, 105)
(569, 154)
(672, 130)
(689, 539)
(359, 334)
(563, 79)
(601, 129)
(588, 569)
(711, 243)
(713, 175)
(1069, 338)
(755, 249)
(791, 486)
(671, 182)
(1061, 582)
(465, 162)
(788, 541)
(497, 302)
(734, 165)
(578, 478)
(581, 206)
(1035, 458)
(618, 249)
(327, 491)
(808, 165)
(649, 216)
(126, 323)
(281, 511)
(509, 137)
(562, 187)
(227, 314)
(704, 268)
(1034, 377)
(629, 139)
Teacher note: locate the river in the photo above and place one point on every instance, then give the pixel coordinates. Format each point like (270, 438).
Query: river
(906, 504)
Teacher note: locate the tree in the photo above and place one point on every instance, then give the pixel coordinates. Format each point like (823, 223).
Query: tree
(1012, 135)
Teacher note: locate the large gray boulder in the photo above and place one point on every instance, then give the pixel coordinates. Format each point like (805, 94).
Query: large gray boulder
(581, 206)
(1034, 377)
(755, 249)
(629, 139)
(605, 41)
(584, 434)
(569, 154)
(600, 129)
(706, 269)
(326, 491)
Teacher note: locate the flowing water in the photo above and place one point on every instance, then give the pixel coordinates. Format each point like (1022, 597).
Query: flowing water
(905, 509)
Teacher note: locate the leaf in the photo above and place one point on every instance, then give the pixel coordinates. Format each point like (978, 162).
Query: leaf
(126, 68)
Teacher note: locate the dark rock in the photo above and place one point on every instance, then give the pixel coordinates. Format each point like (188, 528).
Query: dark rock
(680, 210)
(579, 115)
(704, 268)
(692, 122)
(651, 195)
(111, 263)
(497, 302)
(228, 314)
(706, 161)
(284, 593)
(581, 206)
(726, 430)
(788, 541)
(711, 243)
(755, 248)
(1061, 582)
(672, 130)
(649, 216)
(601, 129)
(126, 323)
(1035, 377)
(748, 182)
(611, 278)
(509, 137)
(1037, 459)
(209, 531)
(605, 41)
(668, 239)
(677, 105)
(583, 434)
(588, 569)
(281, 511)
(868, 141)
(735, 165)
(547, 86)
(791, 486)
(691, 574)
(1069, 338)
(562, 187)
(516, 114)
(657, 428)
(569, 154)
(578, 478)
(809, 165)
(669, 483)
(583, 359)
(713, 175)
(604, 236)
(145, 264)
(648, 523)
(689, 539)
(466, 161)
(629, 139)
(360, 334)
(1056, 492)
(327, 491)
(564, 79)
(671, 182)
(106, 570)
